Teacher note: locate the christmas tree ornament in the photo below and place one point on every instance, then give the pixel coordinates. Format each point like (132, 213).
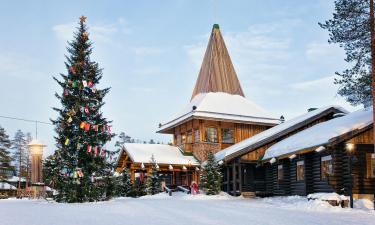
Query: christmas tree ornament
(96, 150)
(82, 125)
(87, 127)
(86, 110)
(67, 141)
(74, 84)
(84, 83)
(82, 19)
(89, 84)
(72, 70)
(88, 148)
(70, 119)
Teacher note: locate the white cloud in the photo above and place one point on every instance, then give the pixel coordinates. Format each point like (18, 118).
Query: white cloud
(317, 51)
(19, 66)
(99, 32)
(318, 84)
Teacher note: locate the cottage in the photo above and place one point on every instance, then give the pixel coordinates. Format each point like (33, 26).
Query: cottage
(333, 156)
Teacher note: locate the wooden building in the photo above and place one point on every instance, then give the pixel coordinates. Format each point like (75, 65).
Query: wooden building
(242, 168)
(218, 114)
(174, 167)
(334, 156)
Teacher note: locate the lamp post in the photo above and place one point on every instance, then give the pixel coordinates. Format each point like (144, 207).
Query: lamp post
(350, 147)
(36, 152)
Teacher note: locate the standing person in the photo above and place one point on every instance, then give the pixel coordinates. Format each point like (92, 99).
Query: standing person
(194, 188)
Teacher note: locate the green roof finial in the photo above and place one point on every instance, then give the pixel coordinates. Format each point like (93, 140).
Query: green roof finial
(216, 26)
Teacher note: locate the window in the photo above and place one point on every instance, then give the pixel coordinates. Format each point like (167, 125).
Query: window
(370, 165)
(326, 166)
(197, 136)
(178, 139)
(183, 139)
(227, 135)
(211, 134)
(280, 172)
(189, 137)
(300, 170)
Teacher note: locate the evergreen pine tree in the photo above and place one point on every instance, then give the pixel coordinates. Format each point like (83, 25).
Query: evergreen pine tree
(124, 185)
(153, 182)
(5, 159)
(20, 153)
(81, 129)
(350, 28)
(211, 176)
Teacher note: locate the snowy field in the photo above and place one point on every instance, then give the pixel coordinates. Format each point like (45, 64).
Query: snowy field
(182, 209)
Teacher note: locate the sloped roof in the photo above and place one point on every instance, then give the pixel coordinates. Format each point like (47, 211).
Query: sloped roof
(163, 154)
(6, 186)
(217, 73)
(275, 132)
(321, 133)
(221, 106)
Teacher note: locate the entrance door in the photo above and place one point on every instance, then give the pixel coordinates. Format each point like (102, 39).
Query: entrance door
(248, 178)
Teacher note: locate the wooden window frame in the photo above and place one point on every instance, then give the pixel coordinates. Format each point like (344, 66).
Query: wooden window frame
(300, 168)
(222, 136)
(324, 167)
(178, 139)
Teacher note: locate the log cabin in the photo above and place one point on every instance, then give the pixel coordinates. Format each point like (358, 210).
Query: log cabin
(333, 156)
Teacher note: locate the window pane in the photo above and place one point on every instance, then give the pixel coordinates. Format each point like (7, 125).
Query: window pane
(178, 139)
(211, 134)
(280, 172)
(183, 138)
(227, 135)
(197, 137)
(326, 167)
(189, 137)
(300, 171)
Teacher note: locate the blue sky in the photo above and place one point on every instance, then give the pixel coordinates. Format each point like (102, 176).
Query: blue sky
(151, 53)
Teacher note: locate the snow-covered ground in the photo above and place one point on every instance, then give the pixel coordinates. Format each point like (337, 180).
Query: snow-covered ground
(183, 209)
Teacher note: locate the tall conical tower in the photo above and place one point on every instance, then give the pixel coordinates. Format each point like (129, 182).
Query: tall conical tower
(218, 114)
(217, 73)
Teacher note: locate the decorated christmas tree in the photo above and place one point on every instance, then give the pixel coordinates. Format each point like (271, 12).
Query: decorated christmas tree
(82, 131)
(153, 183)
(211, 176)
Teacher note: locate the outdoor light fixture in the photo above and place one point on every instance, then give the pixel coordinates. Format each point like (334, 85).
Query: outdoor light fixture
(36, 152)
(142, 166)
(170, 167)
(292, 156)
(184, 168)
(196, 168)
(273, 160)
(350, 147)
(221, 162)
(320, 148)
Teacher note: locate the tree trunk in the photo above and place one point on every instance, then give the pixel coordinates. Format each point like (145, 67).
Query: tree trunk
(372, 31)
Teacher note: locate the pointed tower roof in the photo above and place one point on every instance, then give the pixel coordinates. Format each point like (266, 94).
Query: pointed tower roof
(217, 73)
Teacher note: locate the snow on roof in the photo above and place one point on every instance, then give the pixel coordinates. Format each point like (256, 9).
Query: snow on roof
(321, 133)
(273, 131)
(225, 106)
(15, 179)
(163, 154)
(6, 186)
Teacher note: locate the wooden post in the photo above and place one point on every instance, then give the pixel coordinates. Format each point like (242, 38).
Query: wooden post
(132, 175)
(372, 33)
(240, 176)
(228, 177)
(234, 178)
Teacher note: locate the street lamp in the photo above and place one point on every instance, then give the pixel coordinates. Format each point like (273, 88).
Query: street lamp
(36, 152)
(350, 148)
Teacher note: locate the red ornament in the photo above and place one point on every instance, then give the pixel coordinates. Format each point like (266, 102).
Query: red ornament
(88, 148)
(87, 127)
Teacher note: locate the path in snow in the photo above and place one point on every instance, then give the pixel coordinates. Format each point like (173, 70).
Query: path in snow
(182, 210)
